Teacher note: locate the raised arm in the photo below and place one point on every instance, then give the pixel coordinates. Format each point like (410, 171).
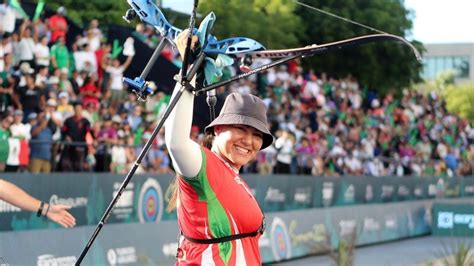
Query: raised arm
(185, 153)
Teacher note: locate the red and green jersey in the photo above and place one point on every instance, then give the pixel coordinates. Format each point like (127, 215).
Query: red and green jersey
(217, 203)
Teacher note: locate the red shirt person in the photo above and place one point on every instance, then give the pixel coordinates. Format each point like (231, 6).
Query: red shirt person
(58, 24)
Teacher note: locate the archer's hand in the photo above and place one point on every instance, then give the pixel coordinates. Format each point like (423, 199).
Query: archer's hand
(181, 41)
(60, 215)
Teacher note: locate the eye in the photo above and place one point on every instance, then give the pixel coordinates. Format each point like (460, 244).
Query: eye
(240, 128)
(258, 134)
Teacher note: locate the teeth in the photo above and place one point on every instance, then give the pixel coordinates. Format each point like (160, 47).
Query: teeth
(242, 149)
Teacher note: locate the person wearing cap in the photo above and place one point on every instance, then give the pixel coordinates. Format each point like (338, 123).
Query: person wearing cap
(55, 116)
(58, 24)
(21, 132)
(64, 107)
(219, 218)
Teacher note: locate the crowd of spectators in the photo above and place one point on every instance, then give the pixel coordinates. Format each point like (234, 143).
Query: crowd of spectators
(66, 109)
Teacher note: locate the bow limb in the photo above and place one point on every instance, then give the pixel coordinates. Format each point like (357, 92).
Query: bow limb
(318, 49)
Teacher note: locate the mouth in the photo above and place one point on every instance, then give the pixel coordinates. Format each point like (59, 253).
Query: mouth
(242, 150)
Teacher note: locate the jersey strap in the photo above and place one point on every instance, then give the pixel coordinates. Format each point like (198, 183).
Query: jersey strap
(260, 230)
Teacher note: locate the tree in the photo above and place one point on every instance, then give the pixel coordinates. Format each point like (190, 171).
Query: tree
(459, 97)
(270, 22)
(381, 66)
(460, 100)
(82, 12)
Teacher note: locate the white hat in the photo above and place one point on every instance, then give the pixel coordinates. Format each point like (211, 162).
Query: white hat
(25, 68)
(63, 94)
(52, 102)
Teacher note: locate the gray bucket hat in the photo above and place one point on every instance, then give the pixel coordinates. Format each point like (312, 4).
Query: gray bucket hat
(244, 109)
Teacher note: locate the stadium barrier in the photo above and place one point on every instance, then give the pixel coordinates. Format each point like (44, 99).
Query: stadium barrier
(453, 219)
(305, 215)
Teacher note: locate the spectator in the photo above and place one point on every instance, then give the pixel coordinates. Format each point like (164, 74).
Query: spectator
(7, 120)
(42, 131)
(285, 151)
(119, 160)
(74, 131)
(32, 99)
(58, 24)
(135, 119)
(266, 160)
(100, 54)
(304, 153)
(90, 92)
(64, 107)
(41, 79)
(115, 71)
(106, 137)
(7, 18)
(60, 54)
(84, 59)
(6, 92)
(451, 162)
(18, 129)
(65, 83)
(27, 44)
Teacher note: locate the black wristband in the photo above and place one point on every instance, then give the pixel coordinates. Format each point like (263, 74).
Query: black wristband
(47, 210)
(40, 210)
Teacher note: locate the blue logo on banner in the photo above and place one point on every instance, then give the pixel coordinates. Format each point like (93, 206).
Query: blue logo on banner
(150, 205)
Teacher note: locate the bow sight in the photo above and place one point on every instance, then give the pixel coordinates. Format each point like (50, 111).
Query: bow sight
(130, 15)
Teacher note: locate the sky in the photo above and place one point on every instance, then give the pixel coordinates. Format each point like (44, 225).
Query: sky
(436, 21)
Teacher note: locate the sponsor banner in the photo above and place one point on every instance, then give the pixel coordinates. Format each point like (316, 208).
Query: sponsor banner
(89, 195)
(118, 244)
(289, 234)
(144, 199)
(468, 187)
(453, 219)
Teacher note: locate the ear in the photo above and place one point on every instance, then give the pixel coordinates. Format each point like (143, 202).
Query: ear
(217, 129)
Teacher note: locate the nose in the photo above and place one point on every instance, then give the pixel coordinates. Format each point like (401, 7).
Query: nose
(248, 137)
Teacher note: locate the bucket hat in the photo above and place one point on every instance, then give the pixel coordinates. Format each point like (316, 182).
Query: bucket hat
(244, 109)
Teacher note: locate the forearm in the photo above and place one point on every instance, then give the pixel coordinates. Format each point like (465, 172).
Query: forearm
(185, 153)
(18, 197)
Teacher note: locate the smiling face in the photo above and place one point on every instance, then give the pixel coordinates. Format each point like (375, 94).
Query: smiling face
(237, 144)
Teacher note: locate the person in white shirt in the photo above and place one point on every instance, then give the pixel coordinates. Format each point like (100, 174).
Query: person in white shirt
(27, 44)
(285, 146)
(42, 52)
(7, 18)
(18, 129)
(116, 71)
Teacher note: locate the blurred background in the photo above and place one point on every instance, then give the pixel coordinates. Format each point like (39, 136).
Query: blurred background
(371, 144)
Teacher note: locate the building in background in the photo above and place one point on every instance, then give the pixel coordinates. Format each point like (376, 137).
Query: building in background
(457, 57)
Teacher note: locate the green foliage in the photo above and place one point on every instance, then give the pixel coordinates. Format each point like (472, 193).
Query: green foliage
(280, 24)
(384, 66)
(457, 254)
(82, 12)
(460, 100)
(271, 22)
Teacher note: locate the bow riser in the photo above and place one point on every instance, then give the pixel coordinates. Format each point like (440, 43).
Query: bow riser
(149, 13)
